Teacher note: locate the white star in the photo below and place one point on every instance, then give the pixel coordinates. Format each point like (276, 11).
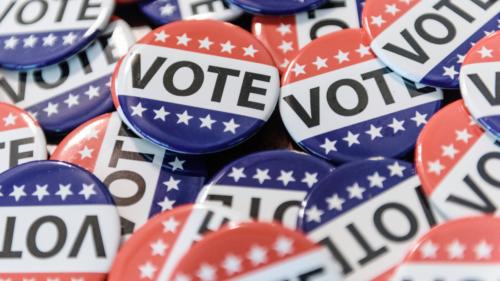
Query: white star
(158, 248)
(87, 191)
(355, 191)
(51, 109)
(341, 56)
(227, 47)
(72, 100)
(41, 191)
(249, 51)
(64, 191)
(147, 270)
(363, 50)
(92, 133)
(237, 174)
(172, 184)
(69, 39)
(397, 125)
(230, 126)
(286, 177)
(314, 214)
(450, 71)
(419, 119)
(320, 63)
(378, 20)
(460, 58)
(298, 69)
(161, 36)
(167, 10)
(261, 175)
(160, 113)
(206, 273)
(10, 43)
(92, 92)
(329, 145)
(205, 43)
(18, 192)
(396, 169)
(177, 164)
(428, 250)
(232, 264)
(488, 33)
(310, 179)
(184, 118)
(351, 138)
(485, 52)
(170, 225)
(283, 29)
(435, 167)
(183, 39)
(85, 153)
(207, 122)
(391, 9)
(449, 151)
(257, 255)
(376, 180)
(285, 46)
(455, 250)
(335, 202)
(9, 120)
(483, 250)
(463, 135)
(374, 132)
(285, 63)
(283, 246)
(30, 41)
(166, 204)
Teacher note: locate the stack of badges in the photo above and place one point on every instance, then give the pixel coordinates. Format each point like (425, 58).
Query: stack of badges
(266, 186)
(285, 36)
(144, 179)
(338, 101)
(367, 213)
(21, 138)
(61, 224)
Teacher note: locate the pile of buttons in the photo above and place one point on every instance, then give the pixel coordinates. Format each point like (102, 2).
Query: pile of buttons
(269, 140)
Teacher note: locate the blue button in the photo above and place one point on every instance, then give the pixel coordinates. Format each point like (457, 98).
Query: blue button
(277, 7)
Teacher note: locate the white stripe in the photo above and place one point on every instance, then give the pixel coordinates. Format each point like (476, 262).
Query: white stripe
(447, 271)
(475, 101)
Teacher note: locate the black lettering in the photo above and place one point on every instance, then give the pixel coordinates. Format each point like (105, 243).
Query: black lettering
(481, 168)
(454, 8)
(419, 55)
(247, 88)
(451, 32)
(119, 153)
(62, 233)
(86, 5)
(483, 89)
(283, 207)
(204, 227)
(43, 6)
(382, 229)
(62, 9)
(311, 274)
(15, 154)
(127, 227)
(19, 96)
(84, 61)
(370, 252)
(210, 6)
(378, 76)
(309, 120)
(359, 90)
(8, 238)
(254, 207)
(139, 81)
(487, 207)
(220, 82)
(414, 91)
(313, 33)
(168, 78)
(132, 176)
(108, 48)
(484, 5)
(346, 267)
(226, 200)
(63, 76)
(90, 222)
(7, 10)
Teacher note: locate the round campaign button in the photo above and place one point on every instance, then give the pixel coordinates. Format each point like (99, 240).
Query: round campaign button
(256, 251)
(341, 103)
(143, 178)
(153, 251)
(368, 213)
(165, 11)
(478, 82)
(457, 163)
(464, 249)
(59, 222)
(42, 32)
(277, 7)
(426, 40)
(21, 138)
(63, 96)
(266, 186)
(285, 36)
(196, 86)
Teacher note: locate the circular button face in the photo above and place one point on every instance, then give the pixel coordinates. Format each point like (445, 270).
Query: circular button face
(453, 251)
(256, 251)
(426, 40)
(368, 202)
(154, 250)
(457, 163)
(59, 222)
(266, 186)
(285, 36)
(63, 96)
(338, 101)
(143, 178)
(165, 11)
(478, 83)
(277, 7)
(45, 32)
(22, 139)
(197, 86)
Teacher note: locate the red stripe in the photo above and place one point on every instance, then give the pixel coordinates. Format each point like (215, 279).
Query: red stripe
(45, 276)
